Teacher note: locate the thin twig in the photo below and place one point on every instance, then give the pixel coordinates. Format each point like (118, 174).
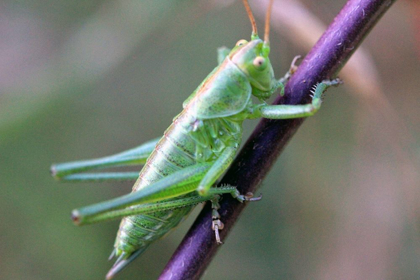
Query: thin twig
(325, 60)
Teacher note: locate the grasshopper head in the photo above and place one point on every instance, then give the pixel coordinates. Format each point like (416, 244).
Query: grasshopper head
(252, 58)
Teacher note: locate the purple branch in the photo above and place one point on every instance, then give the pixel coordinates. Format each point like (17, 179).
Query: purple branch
(325, 60)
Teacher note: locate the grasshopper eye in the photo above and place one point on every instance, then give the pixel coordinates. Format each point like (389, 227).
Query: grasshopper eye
(260, 63)
(241, 42)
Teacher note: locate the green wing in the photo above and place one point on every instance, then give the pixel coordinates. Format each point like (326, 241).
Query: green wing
(187, 101)
(225, 92)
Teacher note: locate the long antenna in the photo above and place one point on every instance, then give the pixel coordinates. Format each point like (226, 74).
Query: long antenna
(252, 19)
(267, 23)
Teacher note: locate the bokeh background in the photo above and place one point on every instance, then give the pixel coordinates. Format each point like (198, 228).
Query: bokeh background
(83, 79)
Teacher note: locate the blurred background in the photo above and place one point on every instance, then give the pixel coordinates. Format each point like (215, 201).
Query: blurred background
(84, 79)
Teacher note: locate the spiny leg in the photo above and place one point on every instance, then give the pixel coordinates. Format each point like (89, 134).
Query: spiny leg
(71, 171)
(83, 216)
(178, 183)
(100, 177)
(233, 191)
(148, 208)
(295, 111)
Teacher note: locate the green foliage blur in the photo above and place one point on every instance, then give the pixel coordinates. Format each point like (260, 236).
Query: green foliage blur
(84, 79)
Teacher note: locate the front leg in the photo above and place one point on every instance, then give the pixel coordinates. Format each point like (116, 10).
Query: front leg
(294, 111)
(291, 70)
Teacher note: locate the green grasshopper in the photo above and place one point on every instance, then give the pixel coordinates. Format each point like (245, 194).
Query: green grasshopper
(181, 168)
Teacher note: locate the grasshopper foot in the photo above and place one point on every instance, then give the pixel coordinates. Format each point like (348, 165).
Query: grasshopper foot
(247, 197)
(217, 224)
(293, 68)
